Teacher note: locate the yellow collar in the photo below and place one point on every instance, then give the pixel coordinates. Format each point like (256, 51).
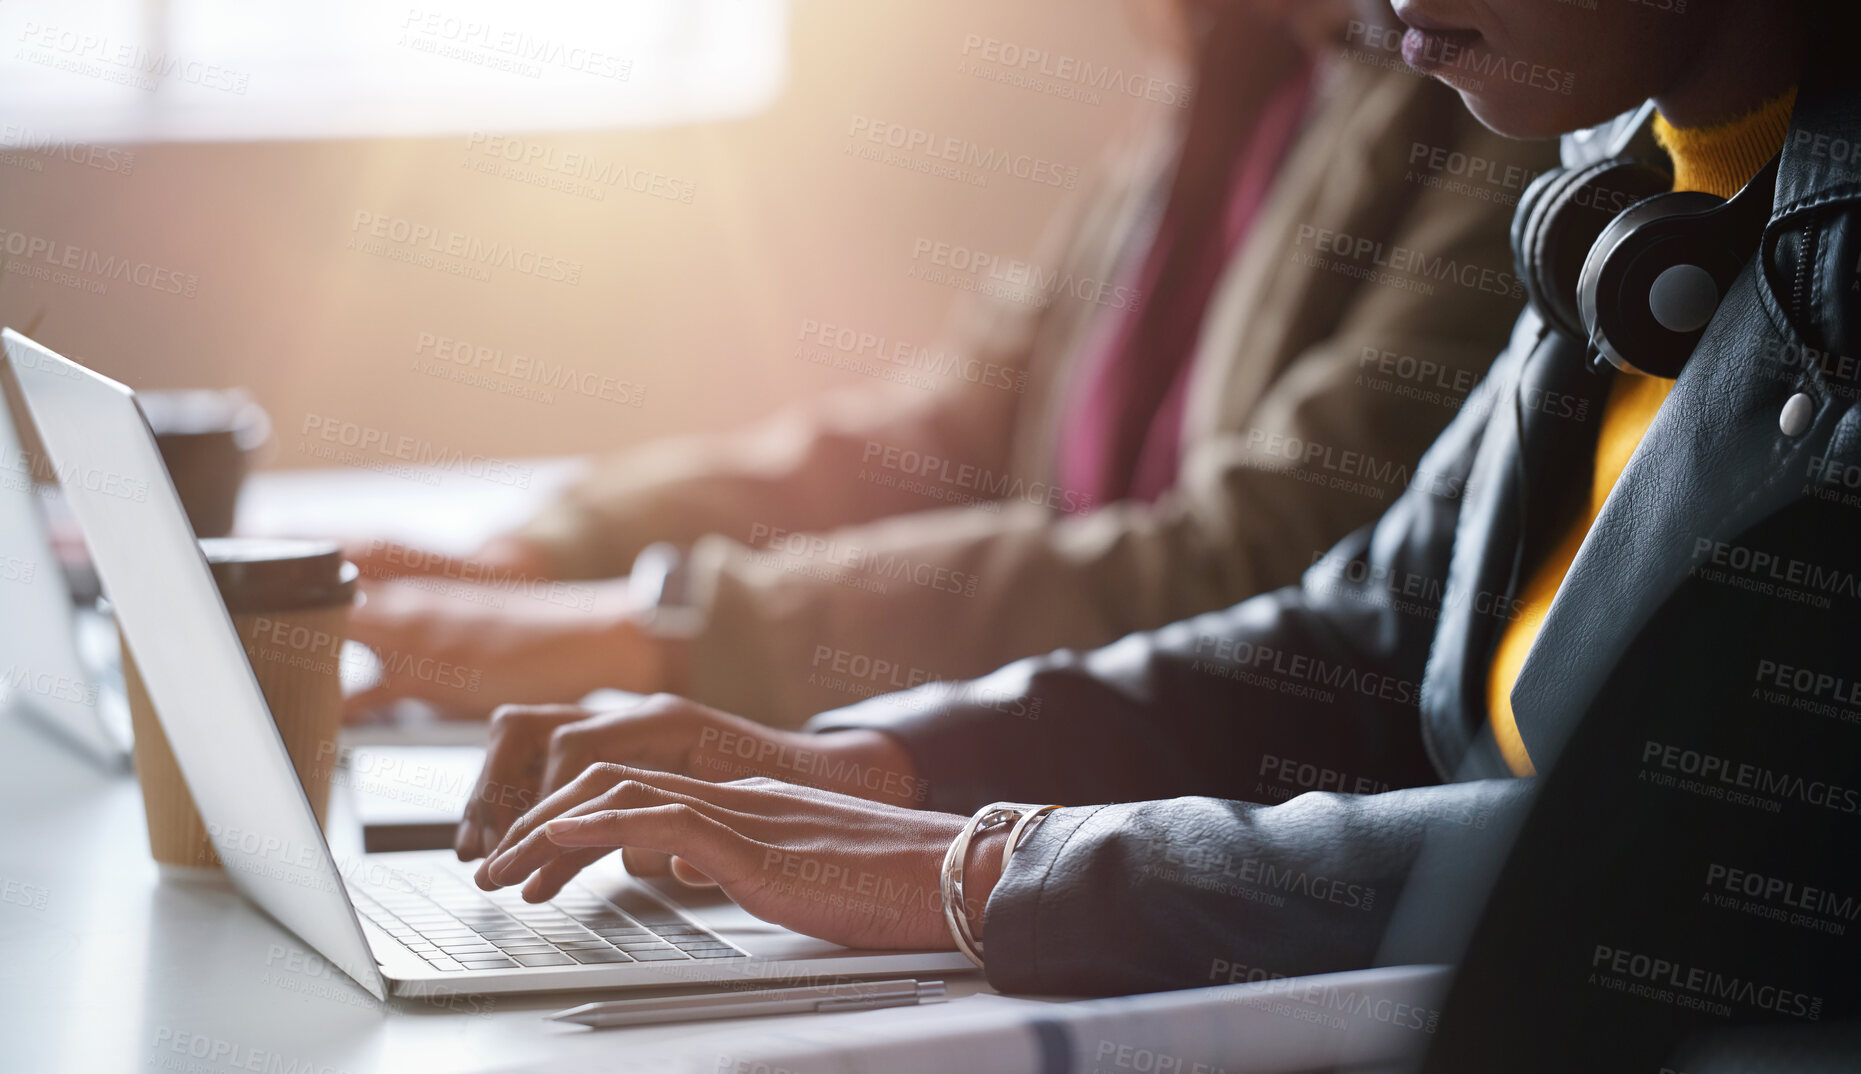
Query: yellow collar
(1722, 158)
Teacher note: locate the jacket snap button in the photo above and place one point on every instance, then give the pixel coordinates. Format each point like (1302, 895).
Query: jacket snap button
(1794, 421)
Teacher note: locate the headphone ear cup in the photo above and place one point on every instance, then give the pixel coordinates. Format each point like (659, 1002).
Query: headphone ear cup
(1656, 274)
(1653, 280)
(1527, 223)
(1560, 217)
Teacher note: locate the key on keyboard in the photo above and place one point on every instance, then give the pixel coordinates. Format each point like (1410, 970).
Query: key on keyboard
(458, 928)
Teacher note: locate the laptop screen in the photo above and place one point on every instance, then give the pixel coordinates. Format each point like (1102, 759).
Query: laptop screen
(42, 674)
(189, 655)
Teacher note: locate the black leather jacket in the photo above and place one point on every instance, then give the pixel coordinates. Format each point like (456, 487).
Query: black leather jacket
(1704, 654)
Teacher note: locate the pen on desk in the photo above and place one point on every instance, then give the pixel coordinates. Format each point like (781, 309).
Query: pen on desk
(864, 996)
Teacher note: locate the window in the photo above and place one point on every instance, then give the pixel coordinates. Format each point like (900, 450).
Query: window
(157, 70)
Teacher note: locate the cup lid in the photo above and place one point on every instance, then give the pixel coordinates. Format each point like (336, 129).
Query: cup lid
(265, 574)
(177, 414)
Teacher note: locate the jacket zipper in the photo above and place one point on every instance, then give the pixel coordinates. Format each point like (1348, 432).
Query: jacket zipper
(1799, 288)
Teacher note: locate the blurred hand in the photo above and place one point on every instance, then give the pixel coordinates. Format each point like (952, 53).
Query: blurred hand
(465, 646)
(841, 868)
(536, 750)
(500, 559)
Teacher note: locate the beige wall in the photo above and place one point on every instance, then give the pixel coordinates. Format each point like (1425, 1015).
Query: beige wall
(699, 304)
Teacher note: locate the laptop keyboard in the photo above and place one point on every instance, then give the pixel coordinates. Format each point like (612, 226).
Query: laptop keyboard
(456, 927)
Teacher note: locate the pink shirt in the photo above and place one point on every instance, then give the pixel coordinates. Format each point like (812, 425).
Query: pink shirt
(1122, 436)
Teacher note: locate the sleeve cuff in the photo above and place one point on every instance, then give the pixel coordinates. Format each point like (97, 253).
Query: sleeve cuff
(1011, 926)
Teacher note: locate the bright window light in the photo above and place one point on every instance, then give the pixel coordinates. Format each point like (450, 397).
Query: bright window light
(188, 70)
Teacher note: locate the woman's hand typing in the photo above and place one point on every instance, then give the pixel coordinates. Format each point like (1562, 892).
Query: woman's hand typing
(536, 750)
(845, 869)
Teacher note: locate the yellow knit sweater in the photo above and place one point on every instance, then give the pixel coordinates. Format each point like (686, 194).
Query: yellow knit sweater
(1720, 160)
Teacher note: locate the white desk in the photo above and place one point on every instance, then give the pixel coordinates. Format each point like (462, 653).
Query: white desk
(454, 513)
(106, 967)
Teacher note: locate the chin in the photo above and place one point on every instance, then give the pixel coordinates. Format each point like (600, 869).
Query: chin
(1534, 115)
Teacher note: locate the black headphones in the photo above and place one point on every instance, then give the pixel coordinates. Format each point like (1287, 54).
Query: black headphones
(1615, 259)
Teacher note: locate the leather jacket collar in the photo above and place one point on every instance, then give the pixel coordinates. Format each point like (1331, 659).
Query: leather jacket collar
(1714, 462)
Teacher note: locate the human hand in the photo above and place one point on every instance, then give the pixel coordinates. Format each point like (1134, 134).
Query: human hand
(535, 750)
(501, 560)
(463, 646)
(840, 868)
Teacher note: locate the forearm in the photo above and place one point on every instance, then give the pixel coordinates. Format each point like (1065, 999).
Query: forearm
(1196, 891)
(956, 593)
(1174, 712)
(1325, 676)
(796, 471)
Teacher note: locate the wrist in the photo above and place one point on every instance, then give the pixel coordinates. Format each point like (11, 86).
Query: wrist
(671, 659)
(637, 659)
(652, 663)
(879, 768)
(973, 867)
(516, 555)
(981, 872)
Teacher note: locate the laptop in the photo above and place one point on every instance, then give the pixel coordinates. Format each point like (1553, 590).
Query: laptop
(45, 676)
(413, 923)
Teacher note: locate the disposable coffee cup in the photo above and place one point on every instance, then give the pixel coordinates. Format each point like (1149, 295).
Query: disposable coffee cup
(289, 602)
(208, 439)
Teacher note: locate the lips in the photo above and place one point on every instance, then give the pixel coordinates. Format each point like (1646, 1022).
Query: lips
(1431, 43)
